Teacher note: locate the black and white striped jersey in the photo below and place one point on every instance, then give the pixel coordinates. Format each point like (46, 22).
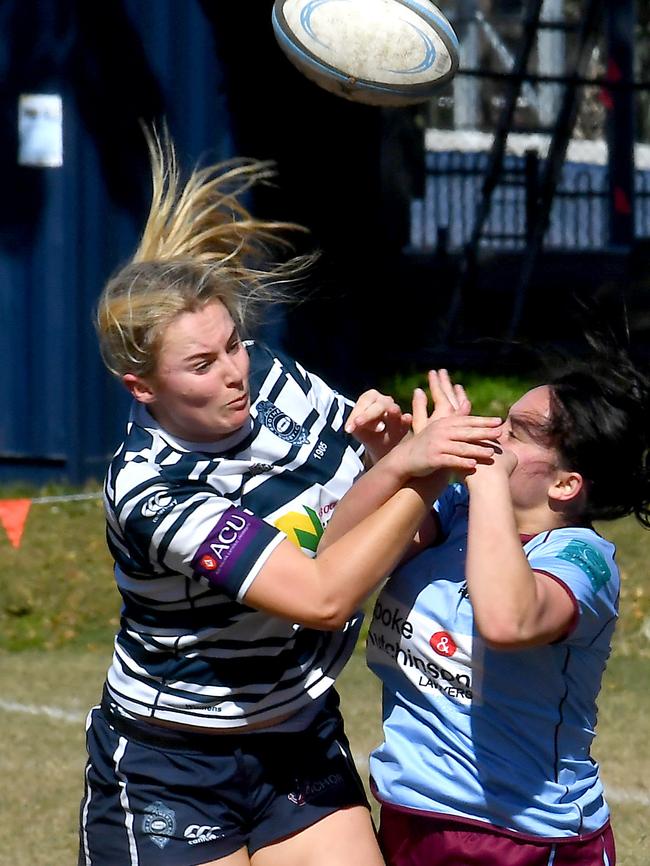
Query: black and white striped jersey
(190, 527)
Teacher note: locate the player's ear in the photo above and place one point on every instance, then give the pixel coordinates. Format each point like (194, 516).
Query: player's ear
(566, 487)
(139, 388)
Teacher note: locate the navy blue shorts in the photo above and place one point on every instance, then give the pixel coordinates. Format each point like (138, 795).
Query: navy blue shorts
(165, 797)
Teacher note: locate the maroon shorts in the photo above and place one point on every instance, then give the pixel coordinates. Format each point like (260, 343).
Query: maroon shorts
(418, 840)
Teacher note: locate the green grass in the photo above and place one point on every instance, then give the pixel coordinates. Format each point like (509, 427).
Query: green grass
(57, 588)
(489, 396)
(43, 758)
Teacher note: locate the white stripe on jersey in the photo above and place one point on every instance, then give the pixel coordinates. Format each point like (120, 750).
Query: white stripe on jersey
(191, 652)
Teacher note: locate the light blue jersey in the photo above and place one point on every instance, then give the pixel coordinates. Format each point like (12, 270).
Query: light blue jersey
(501, 737)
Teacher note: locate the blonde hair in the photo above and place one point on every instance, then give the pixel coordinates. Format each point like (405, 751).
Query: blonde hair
(199, 245)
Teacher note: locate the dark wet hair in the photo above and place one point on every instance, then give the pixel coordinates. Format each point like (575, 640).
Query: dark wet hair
(600, 425)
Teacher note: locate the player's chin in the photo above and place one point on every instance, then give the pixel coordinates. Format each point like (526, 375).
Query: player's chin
(239, 412)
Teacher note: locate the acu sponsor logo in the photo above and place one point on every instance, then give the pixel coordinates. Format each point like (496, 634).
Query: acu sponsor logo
(223, 542)
(220, 545)
(281, 424)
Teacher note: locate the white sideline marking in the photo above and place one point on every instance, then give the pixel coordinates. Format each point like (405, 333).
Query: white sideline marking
(51, 712)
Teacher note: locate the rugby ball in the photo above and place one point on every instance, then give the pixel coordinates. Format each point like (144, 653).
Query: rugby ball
(380, 52)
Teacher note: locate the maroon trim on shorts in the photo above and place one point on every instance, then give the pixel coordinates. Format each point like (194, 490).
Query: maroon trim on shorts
(410, 839)
(473, 824)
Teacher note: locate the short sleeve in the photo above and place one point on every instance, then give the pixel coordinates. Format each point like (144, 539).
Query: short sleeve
(585, 565)
(454, 497)
(165, 529)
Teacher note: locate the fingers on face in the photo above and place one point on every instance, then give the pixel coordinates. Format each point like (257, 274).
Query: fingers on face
(472, 425)
(464, 456)
(480, 451)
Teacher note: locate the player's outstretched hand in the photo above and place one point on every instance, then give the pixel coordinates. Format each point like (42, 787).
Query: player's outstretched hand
(448, 439)
(454, 443)
(378, 423)
(448, 399)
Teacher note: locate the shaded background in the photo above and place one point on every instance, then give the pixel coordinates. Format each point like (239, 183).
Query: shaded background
(378, 299)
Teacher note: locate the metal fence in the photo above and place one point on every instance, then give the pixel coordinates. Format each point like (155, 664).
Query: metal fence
(578, 219)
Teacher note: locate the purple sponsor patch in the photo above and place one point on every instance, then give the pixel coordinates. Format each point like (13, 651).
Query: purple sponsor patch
(232, 536)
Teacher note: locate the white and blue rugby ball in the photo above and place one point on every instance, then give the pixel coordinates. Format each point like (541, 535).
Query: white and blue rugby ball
(380, 52)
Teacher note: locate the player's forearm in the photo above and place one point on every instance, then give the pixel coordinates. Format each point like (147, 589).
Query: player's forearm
(502, 587)
(355, 563)
(324, 592)
(371, 492)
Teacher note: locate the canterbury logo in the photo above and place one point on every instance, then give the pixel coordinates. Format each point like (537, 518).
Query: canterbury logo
(157, 504)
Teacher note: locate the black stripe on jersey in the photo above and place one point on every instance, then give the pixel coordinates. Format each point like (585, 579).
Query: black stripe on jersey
(128, 696)
(353, 443)
(179, 473)
(224, 611)
(203, 670)
(281, 489)
(234, 452)
(278, 387)
(238, 671)
(274, 362)
(333, 412)
(134, 493)
(292, 687)
(168, 537)
(127, 562)
(164, 453)
(300, 377)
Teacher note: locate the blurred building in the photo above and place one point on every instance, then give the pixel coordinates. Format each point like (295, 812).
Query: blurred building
(400, 202)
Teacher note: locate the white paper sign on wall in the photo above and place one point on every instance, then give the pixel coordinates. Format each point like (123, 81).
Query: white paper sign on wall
(40, 130)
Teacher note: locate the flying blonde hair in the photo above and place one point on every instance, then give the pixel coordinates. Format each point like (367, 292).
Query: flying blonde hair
(199, 244)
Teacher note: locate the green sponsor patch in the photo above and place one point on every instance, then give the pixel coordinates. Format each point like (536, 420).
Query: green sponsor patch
(589, 560)
(306, 539)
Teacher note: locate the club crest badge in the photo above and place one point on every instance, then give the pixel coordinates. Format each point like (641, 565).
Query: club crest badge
(159, 823)
(280, 424)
